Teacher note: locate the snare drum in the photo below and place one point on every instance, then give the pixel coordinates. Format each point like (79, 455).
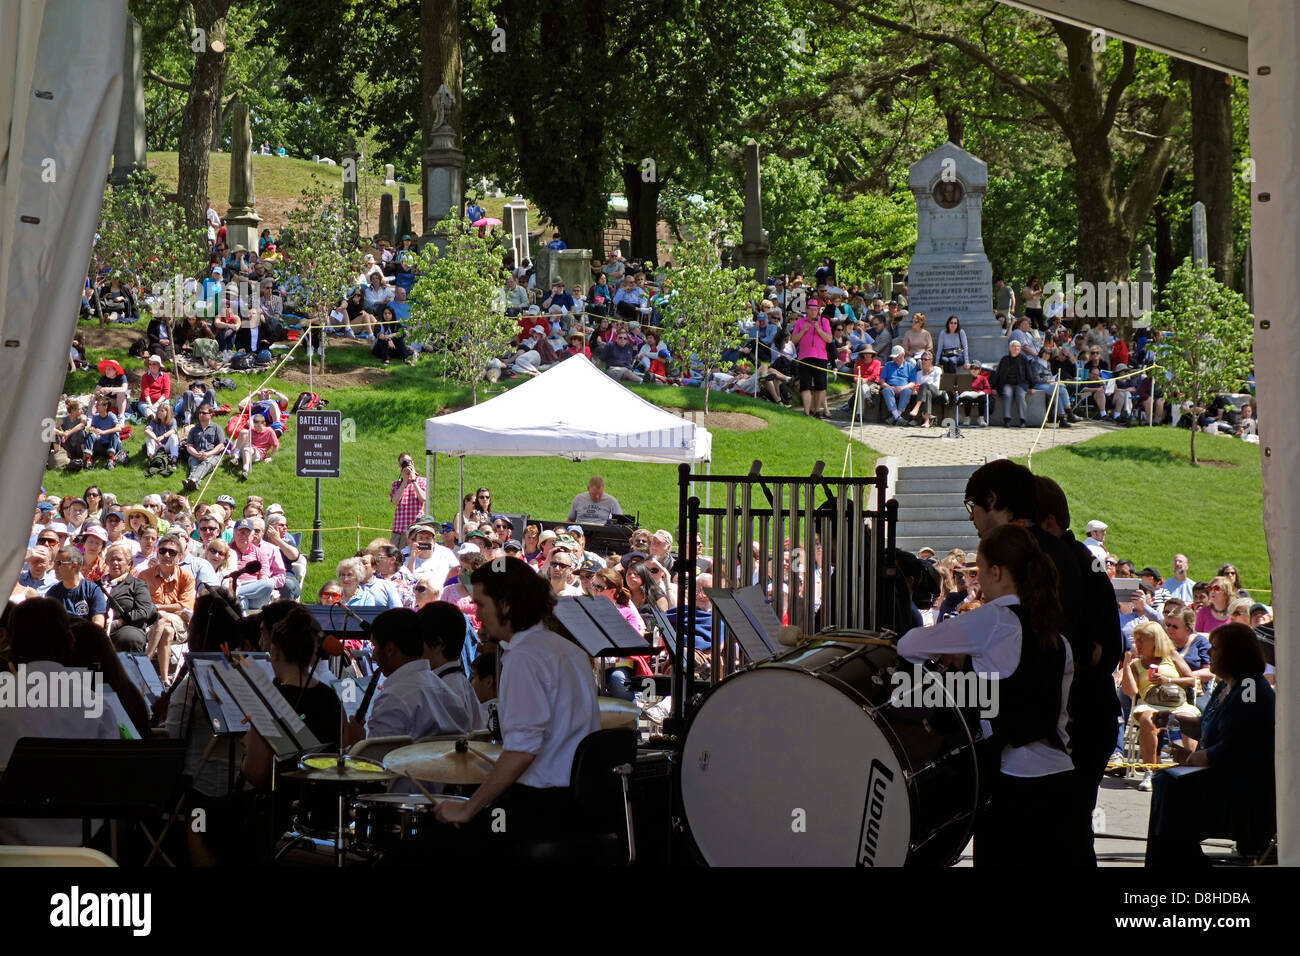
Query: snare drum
(316, 813)
(804, 761)
(384, 819)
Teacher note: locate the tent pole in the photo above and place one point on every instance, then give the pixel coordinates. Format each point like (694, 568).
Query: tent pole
(461, 497)
(430, 476)
(708, 486)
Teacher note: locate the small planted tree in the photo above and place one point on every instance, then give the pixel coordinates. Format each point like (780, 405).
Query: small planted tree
(1208, 332)
(703, 316)
(321, 254)
(144, 241)
(457, 302)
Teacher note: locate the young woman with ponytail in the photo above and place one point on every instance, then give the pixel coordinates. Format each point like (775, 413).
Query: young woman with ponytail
(1014, 643)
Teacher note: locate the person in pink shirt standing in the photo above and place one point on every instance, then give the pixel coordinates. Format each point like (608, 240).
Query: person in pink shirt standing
(811, 334)
(256, 444)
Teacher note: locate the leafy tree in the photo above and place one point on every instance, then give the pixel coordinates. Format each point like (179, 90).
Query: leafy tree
(145, 241)
(321, 254)
(702, 317)
(1207, 343)
(456, 301)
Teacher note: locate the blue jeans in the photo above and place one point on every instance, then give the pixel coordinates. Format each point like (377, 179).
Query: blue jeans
(1058, 403)
(891, 396)
(254, 594)
(106, 445)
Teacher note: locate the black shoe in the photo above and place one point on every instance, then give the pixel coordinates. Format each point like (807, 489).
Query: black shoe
(1022, 423)
(1063, 423)
(1006, 423)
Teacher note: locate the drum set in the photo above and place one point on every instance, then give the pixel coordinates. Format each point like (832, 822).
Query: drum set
(346, 801)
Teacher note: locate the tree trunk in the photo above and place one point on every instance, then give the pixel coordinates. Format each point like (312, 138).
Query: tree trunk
(1164, 264)
(440, 61)
(956, 125)
(642, 211)
(1212, 163)
(219, 114)
(200, 109)
(1193, 447)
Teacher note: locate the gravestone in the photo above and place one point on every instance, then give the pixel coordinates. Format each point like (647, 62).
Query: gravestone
(949, 273)
(755, 248)
(516, 216)
(242, 219)
(388, 175)
(129, 147)
(1146, 291)
(404, 227)
(386, 226)
(351, 170)
(443, 168)
(1200, 242)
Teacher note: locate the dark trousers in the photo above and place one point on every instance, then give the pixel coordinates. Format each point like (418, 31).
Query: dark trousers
(130, 638)
(1090, 749)
(1026, 822)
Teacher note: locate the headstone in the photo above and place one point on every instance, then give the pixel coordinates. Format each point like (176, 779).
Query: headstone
(242, 219)
(949, 272)
(443, 167)
(755, 248)
(573, 266)
(129, 147)
(404, 226)
(315, 157)
(1200, 243)
(1146, 289)
(516, 216)
(351, 171)
(387, 228)
(388, 175)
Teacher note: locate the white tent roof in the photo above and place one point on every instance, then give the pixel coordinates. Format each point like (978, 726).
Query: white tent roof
(574, 411)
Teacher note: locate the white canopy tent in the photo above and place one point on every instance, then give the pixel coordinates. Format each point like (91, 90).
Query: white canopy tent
(541, 418)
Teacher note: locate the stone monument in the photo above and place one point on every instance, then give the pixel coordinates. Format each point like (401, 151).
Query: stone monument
(516, 214)
(241, 219)
(1200, 241)
(129, 147)
(949, 272)
(1145, 290)
(388, 175)
(386, 227)
(443, 167)
(351, 171)
(755, 247)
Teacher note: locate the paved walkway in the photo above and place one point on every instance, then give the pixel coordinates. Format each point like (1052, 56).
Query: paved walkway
(933, 446)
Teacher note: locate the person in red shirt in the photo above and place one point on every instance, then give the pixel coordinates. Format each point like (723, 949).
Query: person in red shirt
(976, 396)
(866, 372)
(155, 387)
(256, 444)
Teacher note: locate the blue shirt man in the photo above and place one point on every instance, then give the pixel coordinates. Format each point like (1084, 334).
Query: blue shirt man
(474, 212)
(556, 243)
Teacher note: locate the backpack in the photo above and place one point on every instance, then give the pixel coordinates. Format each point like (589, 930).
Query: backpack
(160, 465)
(308, 401)
(121, 456)
(243, 362)
(223, 383)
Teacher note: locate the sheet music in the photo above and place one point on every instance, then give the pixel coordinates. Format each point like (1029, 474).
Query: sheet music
(614, 625)
(249, 703)
(761, 615)
(305, 739)
(218, 696)
(142, 675)
(738, 624)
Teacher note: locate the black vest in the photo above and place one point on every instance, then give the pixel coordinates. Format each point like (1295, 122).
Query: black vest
(1029, 700)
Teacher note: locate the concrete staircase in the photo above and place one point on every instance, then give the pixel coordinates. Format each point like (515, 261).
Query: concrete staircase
(931, 510)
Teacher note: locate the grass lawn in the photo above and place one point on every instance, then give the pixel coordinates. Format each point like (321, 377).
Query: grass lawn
(1141, 483)
(389, 417)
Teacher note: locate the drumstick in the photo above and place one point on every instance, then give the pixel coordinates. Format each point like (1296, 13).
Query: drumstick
(419, 786)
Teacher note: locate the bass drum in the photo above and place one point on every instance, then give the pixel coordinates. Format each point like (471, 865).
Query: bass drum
(804, 761)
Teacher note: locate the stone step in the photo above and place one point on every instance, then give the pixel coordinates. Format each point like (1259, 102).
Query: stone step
(942, 544)
(936, 471)
(910, 486)
(909, 514)
(950, 528)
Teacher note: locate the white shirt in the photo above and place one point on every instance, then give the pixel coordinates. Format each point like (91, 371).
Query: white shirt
(991, 636)
(438, 565)
(453, 675)
(1096, 547)
(19, 722)
(547, 703)
(414, 703)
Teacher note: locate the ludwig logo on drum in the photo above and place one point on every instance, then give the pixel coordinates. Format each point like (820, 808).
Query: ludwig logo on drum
(877, 789)
(926, 688)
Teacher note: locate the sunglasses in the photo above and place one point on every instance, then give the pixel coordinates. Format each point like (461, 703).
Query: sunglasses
(970, 506)
(54, 541)
(66, 563)
(586, 574)
(92, 494)
(560, 564)
(420, 589)
(168, 551)
(330, 597)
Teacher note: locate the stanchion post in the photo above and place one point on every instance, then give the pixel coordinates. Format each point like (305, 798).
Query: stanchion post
(317, 553)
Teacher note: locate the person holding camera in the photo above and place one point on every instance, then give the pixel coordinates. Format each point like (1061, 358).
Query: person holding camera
(408, 495)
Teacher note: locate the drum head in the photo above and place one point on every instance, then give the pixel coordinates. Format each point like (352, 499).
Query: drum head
(406, 801)
(781, 768)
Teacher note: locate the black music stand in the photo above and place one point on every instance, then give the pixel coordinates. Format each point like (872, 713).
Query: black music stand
(59, 778)
(756, 645)
(598, 627)
(141, 672)
(336, 622)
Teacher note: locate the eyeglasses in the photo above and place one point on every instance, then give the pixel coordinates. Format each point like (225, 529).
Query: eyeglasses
(65, 563)
(419, 589)
(171, 552)
(485, 495)
(586, 574)
(47, 541)
(560, 564)
(331, 597)
(92, 494)
(970, 506)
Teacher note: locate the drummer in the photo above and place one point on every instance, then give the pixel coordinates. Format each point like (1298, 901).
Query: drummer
(547, 705)
(1014, 642)
(442, 628)
(412, 702)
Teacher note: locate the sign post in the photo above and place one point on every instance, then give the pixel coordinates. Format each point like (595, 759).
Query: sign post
(318, 437)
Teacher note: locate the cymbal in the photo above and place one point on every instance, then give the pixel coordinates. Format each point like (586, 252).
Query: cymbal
(324, 768)
(447, 760)
(615, 713)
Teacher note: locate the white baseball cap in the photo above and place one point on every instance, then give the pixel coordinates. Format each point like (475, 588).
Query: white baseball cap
(1095, 525)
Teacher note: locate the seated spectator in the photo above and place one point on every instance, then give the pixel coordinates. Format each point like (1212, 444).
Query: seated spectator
(577, 344)
(129, 601)
(376, 293)
(1233, 795)
(535, 354)
(102, 435)
(204, 445)
(1160, 681)
(390, 340)
(629, 299)
(1045, 382)
(976, 396)
(256, 589)
(652, 358)
(78, 596)
(927, 381)
(70, 437)
(953, 350)
(92, 540)
(112, 385)
(516, 297)
(1221, 594)
(917, 341)
(898, 383)
(1013, 379)
(160, 434)
(349, 573)
(258, 443)
(118, 301)
(557, 297)
(38, 574)
(594, 506)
